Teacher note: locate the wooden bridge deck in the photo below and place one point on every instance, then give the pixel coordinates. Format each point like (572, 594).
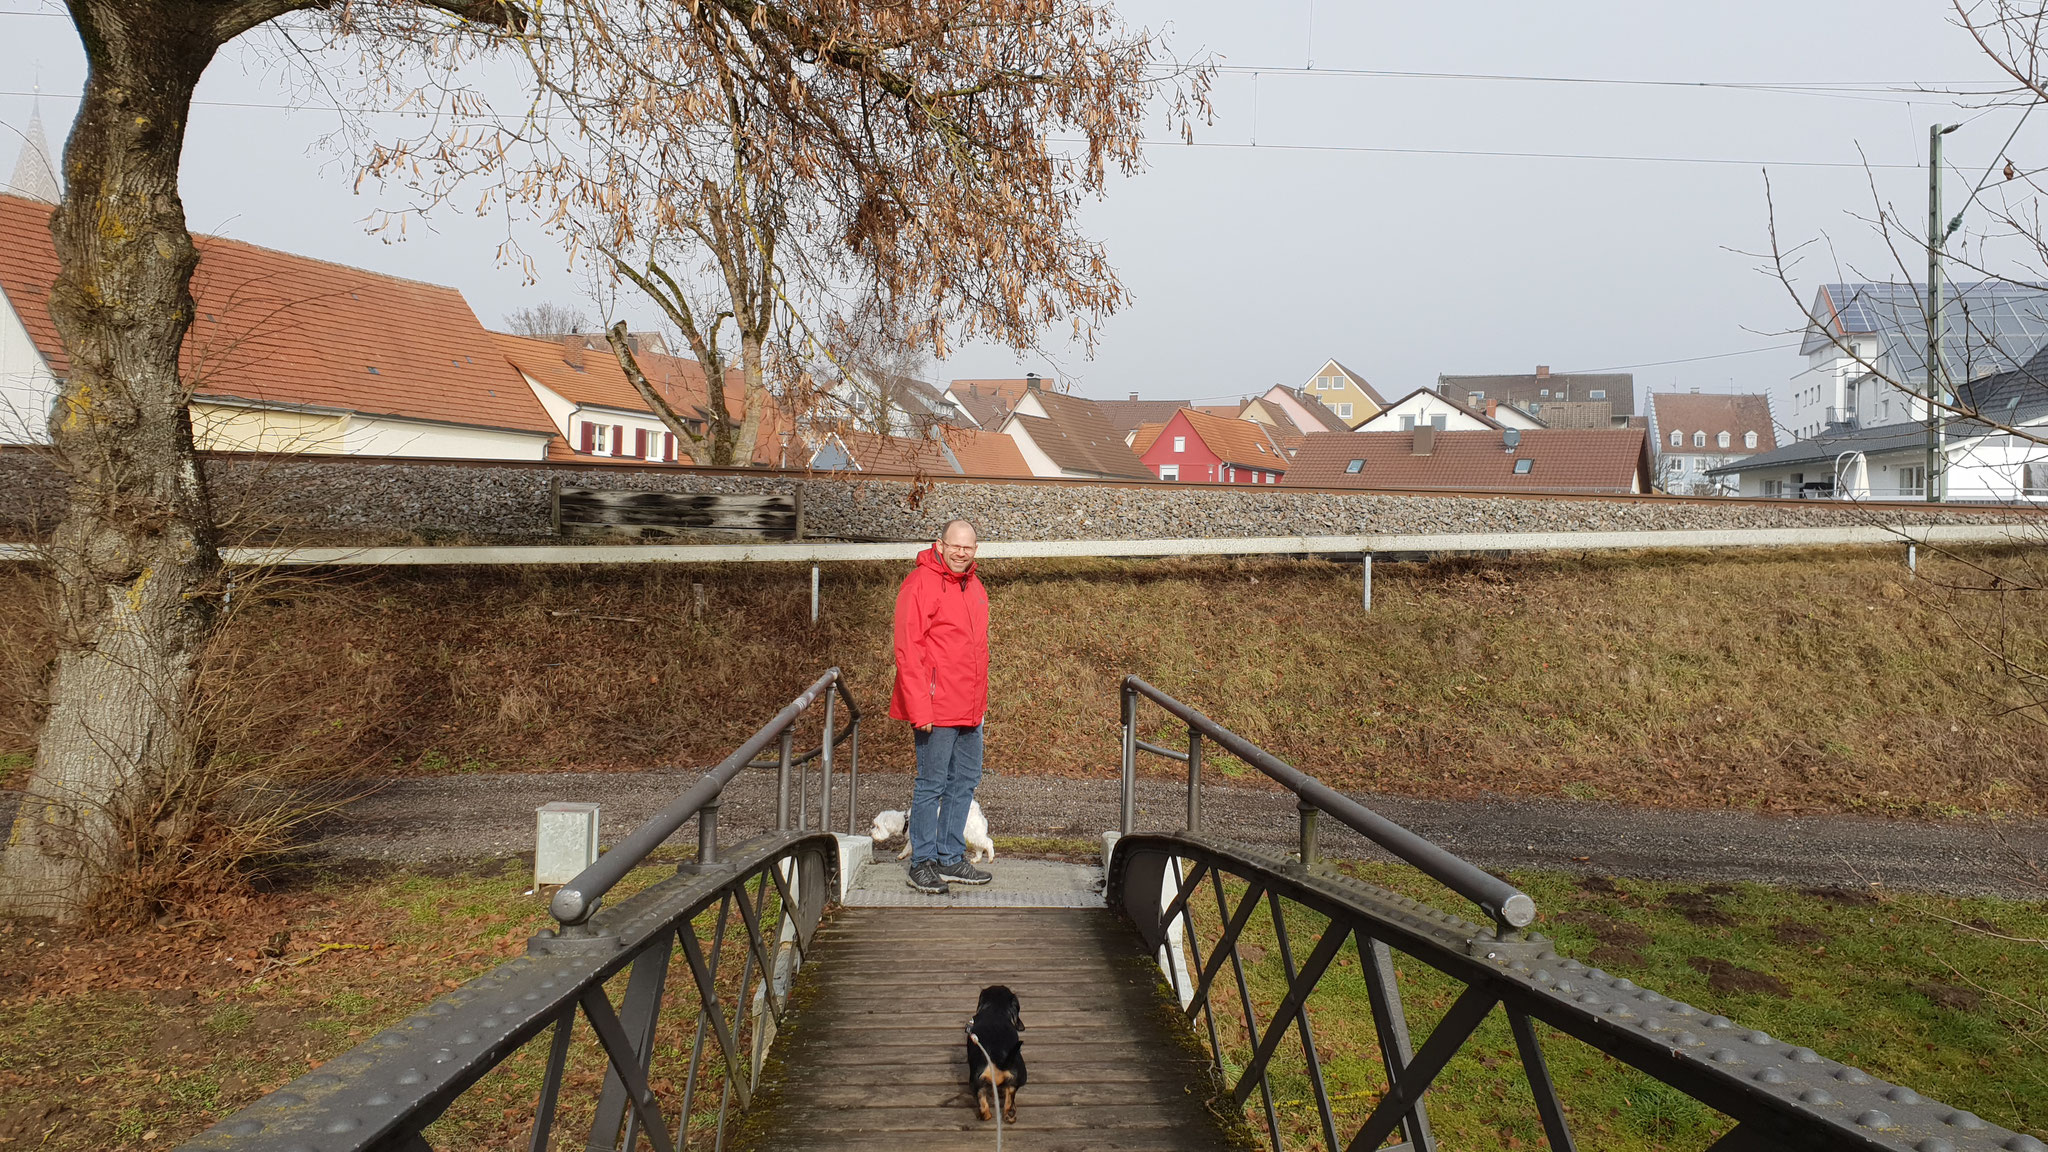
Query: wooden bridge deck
(875, 1056)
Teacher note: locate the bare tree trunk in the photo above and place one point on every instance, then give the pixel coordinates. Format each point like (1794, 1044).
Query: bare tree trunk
(136, 554)
(754, 374)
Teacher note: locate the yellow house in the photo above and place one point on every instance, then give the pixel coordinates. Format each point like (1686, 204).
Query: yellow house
(1344, 392)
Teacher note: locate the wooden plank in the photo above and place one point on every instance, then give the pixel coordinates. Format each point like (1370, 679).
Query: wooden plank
(876, 1058)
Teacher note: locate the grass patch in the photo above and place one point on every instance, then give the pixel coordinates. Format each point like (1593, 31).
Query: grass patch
(115, 1038)
(1073, 849)
(1923, 990)
(143, 1040)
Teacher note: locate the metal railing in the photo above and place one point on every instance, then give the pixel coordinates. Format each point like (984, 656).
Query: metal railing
(1778, 1095)
(763, 900)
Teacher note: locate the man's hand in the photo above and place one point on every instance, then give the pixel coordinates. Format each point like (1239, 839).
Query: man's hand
(924, 727)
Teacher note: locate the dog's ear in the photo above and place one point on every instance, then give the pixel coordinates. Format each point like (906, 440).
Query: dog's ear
(1016, 1018)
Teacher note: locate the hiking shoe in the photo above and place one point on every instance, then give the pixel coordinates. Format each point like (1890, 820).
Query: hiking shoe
(924, 876)
(962, 872)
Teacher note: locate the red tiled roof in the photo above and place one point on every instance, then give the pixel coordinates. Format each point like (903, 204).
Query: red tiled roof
(1220, 411)
(274, 327)
(1146, 436)
(1078, 439)
(1129, 415)
(1562, 460)
(1245, 443)
(906, 454)
(1690, 412)
(983, 453)
(988, 401)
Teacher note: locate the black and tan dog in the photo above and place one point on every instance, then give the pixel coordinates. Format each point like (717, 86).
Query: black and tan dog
(995, 1052)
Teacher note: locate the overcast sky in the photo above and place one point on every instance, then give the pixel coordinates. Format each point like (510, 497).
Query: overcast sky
(1378, 219)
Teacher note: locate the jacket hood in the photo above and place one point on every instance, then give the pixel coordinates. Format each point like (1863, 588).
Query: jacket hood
(930, 558)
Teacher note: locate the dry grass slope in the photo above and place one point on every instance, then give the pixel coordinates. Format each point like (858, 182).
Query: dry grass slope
(1788, 682)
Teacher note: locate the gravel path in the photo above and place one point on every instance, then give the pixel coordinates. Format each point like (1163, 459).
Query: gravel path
(481, 816)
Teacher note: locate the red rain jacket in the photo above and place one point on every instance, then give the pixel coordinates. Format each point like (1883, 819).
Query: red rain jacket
(941, 646)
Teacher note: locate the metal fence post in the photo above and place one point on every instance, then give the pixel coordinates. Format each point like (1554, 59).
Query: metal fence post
(1308, 833)
(782, 786)
(1128, 818)
(825, 759)
(1194, 780)
(814, 593)
(1368, 581)
(707, 835)
(1912, 560)
(852, 775)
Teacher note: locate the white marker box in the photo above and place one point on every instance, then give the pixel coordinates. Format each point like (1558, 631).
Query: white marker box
(565, 841)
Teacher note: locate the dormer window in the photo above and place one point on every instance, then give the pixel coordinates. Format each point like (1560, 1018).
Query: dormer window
(1699, 439)
(1749, 440)
(1677, 438)
(1722, 440)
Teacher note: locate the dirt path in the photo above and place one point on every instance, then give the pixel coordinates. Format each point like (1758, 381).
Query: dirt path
(480, 816)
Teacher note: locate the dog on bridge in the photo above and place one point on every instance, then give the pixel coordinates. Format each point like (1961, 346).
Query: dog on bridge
(890, 823)
(995, 1052)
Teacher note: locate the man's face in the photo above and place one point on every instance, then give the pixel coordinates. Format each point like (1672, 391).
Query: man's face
(956, 547)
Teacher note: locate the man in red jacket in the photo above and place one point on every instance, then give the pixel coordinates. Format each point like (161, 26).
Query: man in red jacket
(942, 691)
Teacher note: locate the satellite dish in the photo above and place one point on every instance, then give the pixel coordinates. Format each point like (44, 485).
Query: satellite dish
(1510, 436)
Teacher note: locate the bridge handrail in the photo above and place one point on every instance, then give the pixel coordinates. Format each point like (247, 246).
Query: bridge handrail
(1507, 905)
(574, 903)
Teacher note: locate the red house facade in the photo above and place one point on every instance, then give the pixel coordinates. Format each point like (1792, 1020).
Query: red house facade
(1197, 448)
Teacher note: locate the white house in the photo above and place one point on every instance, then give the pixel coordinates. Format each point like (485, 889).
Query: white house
(1980, 460)
(1865, 349)
(1694, 433)
(1424, 407)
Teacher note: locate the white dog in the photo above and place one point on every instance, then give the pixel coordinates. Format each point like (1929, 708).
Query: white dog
(890, 822)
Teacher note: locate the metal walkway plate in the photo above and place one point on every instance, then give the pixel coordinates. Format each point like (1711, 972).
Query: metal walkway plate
(1017, 884)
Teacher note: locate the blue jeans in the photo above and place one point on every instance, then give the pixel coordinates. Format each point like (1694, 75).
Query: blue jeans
(948, 768)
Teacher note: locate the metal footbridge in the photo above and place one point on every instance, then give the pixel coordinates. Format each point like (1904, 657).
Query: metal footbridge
(782, 993)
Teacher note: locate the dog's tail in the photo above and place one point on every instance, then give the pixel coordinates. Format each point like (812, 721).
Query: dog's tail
(994, 1086)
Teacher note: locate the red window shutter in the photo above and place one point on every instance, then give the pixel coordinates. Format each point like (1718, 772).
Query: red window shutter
(640, 443)
(668, 446)
(618, 439)
(589, 437)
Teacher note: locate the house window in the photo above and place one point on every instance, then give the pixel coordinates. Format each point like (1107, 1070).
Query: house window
(1180, 443)
(1354, 467)
(1169, 471)
(2035, 475)
(1545, 393)
(1722, 440)
(1272, 478)
(1476, 397)
(588, 441)
(1677, 438)
(1913, 481)
(1774, 487)
(1699, 439)
(1407, 423)
(1437, 421)
(1523, 465)
(1749, 440)
(1343, 411)
(1597, 394)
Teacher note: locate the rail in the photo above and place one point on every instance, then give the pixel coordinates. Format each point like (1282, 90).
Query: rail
(742, 921)
(1508, 906)
(1247, 999)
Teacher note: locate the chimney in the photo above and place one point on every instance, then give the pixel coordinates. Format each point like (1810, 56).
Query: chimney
(1031, 381)
(1543, 371)
(1134, 395)
(1425, 440)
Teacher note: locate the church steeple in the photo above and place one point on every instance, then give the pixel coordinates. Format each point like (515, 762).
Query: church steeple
(35, 174)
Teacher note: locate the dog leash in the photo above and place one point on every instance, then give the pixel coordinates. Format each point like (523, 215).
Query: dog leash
(995, 1090)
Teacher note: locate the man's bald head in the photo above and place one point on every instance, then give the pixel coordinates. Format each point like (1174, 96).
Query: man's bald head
(956, 544)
